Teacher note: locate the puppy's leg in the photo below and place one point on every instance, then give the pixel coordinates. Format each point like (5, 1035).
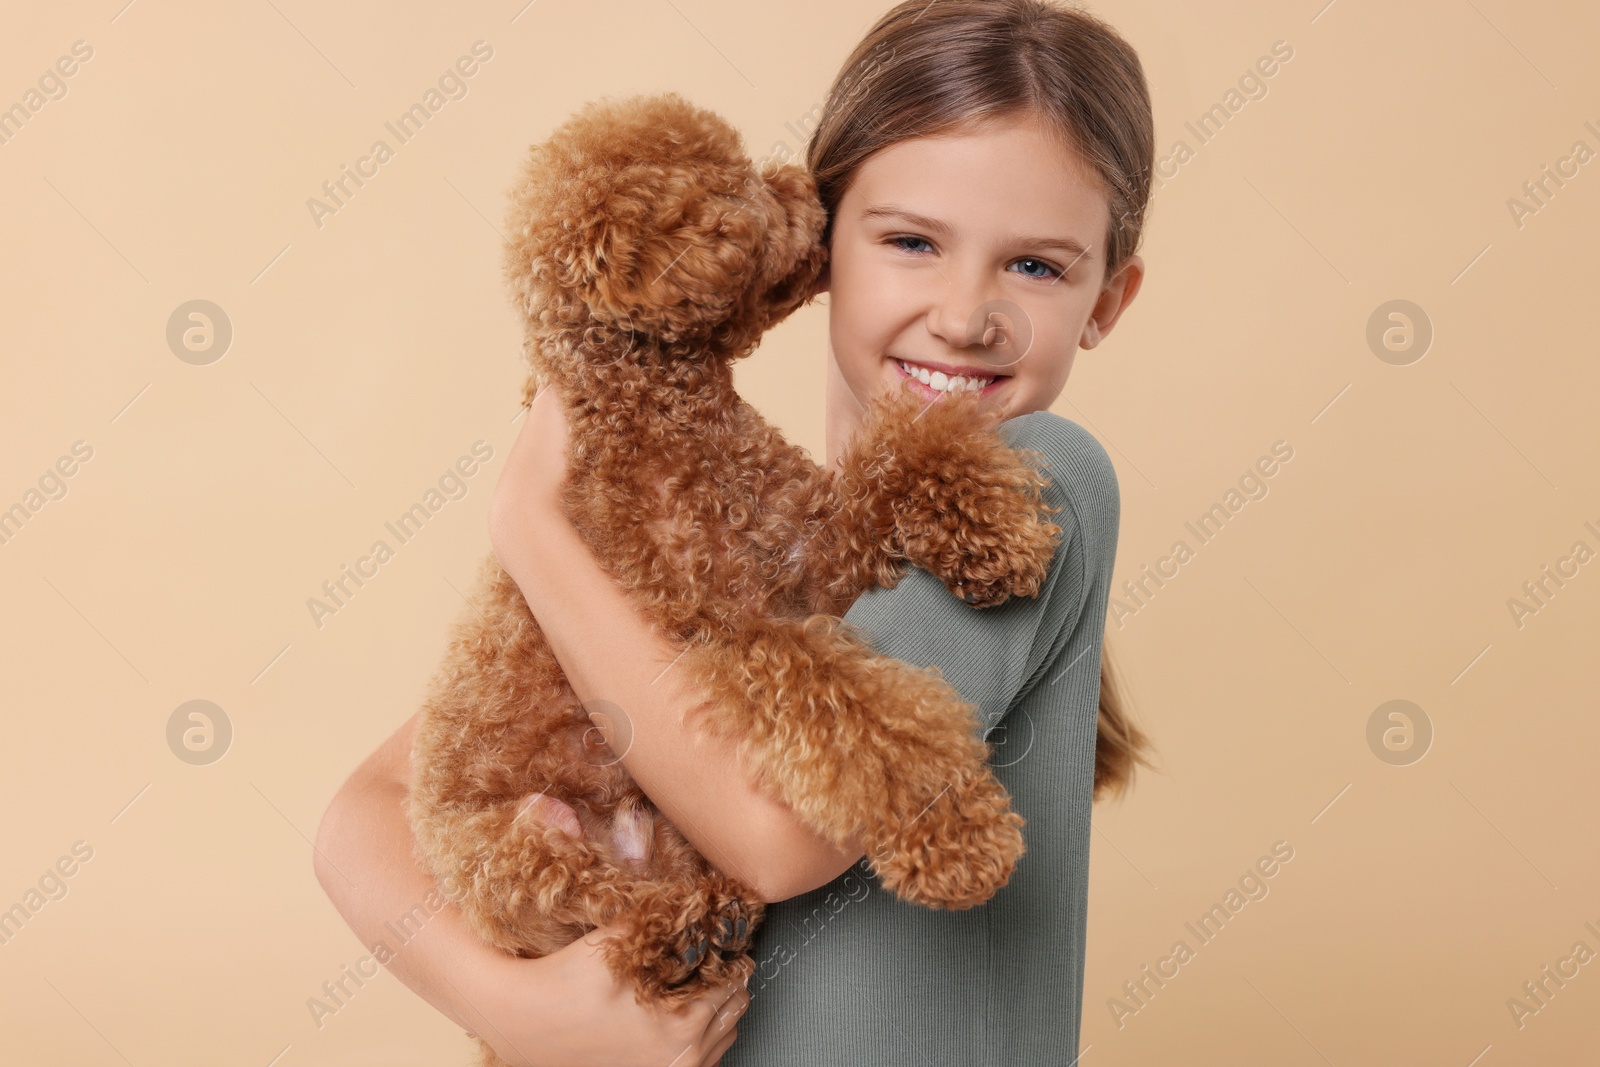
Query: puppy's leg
(497, 730)
(869, 751)
(524, 883)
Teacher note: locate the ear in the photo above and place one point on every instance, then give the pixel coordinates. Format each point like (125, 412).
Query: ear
(1114, 299)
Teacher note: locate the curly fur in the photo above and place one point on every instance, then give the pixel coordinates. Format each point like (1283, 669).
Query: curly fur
(647, 253)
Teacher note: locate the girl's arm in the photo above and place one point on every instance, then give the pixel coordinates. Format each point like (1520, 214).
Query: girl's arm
(610, 651)
(363, 859)
(562, 1009)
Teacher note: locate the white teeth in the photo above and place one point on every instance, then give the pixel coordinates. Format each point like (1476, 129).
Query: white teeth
(942, 381)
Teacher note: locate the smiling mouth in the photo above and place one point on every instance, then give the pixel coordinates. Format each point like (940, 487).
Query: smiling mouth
(941, 382)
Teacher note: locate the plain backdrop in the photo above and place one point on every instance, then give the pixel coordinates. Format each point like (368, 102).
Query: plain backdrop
(373, 347)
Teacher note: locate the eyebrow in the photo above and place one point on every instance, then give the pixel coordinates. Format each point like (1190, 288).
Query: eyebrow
(1069, 245)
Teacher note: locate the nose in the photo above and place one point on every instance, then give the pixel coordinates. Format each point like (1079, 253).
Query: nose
(968, 313)
(955, 312)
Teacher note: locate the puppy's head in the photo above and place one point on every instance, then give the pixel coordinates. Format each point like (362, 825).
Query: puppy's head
(641, 230)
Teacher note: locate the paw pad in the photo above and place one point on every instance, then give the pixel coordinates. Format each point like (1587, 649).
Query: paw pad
(726, 936)
(731, 929)
(692, 955)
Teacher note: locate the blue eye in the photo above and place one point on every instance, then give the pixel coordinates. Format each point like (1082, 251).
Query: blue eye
(1051, 272)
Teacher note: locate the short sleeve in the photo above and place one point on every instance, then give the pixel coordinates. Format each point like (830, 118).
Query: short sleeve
(993, 656)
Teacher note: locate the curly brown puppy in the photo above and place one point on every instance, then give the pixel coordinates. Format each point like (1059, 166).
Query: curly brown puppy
(647, 253)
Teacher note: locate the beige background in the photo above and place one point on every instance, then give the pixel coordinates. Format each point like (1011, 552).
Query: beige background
(370, 353)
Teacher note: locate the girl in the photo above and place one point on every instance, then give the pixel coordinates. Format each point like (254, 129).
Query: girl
(985, 165)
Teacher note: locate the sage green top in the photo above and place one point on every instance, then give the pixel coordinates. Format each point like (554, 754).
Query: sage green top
(848, 975)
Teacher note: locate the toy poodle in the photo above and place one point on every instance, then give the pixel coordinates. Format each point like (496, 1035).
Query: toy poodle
(646, 254)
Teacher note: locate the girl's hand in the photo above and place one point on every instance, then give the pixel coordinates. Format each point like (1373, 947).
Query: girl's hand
(567, 1010)
(529, 487)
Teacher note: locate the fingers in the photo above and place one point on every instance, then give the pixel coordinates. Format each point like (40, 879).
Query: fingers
(727, 1014)
(723, 1030)
(736, 1005)
(722, 1010)
(714, 1057)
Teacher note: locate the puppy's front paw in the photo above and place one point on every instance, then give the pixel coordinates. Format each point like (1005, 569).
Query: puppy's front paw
(984, 532)
(1011, 560)
(959, 852)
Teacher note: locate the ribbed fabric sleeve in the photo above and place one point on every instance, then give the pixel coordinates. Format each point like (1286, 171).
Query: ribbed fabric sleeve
(849, 975)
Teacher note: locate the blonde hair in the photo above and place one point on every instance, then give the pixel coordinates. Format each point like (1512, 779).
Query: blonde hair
(929, 67)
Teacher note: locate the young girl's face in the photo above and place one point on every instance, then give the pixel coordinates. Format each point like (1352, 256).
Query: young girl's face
(979, 252)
